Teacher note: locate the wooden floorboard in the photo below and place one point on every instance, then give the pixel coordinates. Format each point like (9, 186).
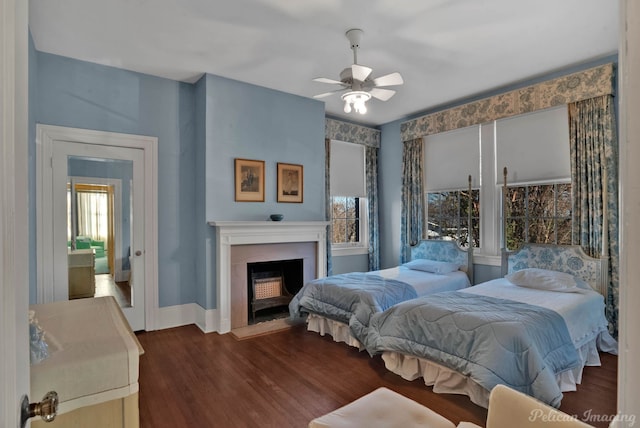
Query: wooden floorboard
(285, 379)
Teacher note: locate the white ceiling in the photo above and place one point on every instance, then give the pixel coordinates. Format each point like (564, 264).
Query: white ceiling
(444, 49)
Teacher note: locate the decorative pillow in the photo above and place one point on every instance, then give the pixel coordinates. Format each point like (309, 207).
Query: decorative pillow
(544, 279)
(432, 266)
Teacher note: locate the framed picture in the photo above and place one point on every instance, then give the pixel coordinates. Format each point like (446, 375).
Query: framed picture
(290, 182)
(249, 179)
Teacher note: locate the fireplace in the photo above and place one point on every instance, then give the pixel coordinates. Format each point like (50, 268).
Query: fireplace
(271, 286)
(241, 242)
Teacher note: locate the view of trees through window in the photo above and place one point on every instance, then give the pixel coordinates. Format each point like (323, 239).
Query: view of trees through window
(539, 214)
(345, 216)
(447, 216)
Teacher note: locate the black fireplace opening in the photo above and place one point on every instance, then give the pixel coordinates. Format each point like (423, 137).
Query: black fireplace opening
(271, 286)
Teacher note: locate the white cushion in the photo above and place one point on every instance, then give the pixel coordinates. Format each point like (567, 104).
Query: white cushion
(382, 408)
(509, 408)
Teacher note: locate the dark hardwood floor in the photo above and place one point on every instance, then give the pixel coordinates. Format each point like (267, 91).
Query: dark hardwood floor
(285, 379)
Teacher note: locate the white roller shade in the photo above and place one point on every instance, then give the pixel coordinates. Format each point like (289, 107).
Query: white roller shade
(534, 146)
(347, 169)
(450, 157)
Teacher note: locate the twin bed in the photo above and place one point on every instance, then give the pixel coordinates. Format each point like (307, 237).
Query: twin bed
(534, 329)
(341, 305)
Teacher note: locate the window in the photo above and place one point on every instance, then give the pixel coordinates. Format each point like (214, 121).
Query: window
(448, 216)
(348, 199)
(346, 220)
(539, 214)
(450, 157)
(535, 149)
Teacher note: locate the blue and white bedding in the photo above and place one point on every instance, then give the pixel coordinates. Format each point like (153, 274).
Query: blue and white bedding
(344, 296)
(493, 333)
(352, 298)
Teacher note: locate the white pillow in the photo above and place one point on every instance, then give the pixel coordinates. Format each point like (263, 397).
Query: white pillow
(432, 266)
(543, 279)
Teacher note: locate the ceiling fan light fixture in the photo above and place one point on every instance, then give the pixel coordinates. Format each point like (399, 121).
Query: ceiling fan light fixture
(355, 100)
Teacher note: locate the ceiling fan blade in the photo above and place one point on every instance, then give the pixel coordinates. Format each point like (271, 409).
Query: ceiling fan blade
(360, 72)
(388, 80)
(326, 94)
(382, 94)
(330, 81)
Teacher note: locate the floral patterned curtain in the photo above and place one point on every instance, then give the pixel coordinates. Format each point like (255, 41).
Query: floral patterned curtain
(327, 198)
(412, 216)
(594, 181)
(371, 171)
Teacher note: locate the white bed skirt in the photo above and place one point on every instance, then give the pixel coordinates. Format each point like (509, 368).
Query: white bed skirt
(338, 330)
(447, 381)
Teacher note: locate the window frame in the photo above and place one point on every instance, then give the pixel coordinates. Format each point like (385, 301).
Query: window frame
(353, 248)
(527, 218)
(459, 219)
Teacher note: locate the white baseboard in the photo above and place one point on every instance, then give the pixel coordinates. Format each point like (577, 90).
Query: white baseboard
(206, 319)
(190, 313)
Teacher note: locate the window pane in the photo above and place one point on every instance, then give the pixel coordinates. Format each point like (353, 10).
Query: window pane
(351, 231)
(345, 219)
(564, 231)
(564, 200)
(434, 201)
(463, 238)
(350, 207)
(450, 204)
(449, 228)
(448, 215)
(515, 232)
(338, 207)
(541, 231)
(339, 231)
(476, 232)
(515, 202)
(434, 229)
(541, 200)
(476, 203)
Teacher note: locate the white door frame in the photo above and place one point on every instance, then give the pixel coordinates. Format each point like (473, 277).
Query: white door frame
(46, 137)
(118, 273)
(14, 209)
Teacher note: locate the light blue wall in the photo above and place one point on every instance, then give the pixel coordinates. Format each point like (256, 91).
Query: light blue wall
(205, 261)
(252, 122)
(390, 192)
(84, 95)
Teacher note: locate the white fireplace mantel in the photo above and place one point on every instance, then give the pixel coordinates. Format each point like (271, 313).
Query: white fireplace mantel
(230, 233)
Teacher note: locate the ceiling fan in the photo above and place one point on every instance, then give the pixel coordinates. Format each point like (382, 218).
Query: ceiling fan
(357, 82)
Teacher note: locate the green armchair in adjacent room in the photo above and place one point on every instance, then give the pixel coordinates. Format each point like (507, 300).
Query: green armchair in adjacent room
(85, 243)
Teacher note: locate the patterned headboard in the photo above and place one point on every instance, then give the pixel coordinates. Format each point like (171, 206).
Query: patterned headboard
(562, 258)
(444, 251)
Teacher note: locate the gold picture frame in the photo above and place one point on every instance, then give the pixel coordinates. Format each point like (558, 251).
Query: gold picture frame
(249, 180)
(290, 182)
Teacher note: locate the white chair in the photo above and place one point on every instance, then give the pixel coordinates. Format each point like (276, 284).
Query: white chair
(509, 408)
(385, 408)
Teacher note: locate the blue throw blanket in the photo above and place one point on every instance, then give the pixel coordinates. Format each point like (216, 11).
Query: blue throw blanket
(350, 298)
(493, 341)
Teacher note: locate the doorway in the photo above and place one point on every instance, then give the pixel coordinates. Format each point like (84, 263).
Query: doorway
(95, 222)
(96, 203)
